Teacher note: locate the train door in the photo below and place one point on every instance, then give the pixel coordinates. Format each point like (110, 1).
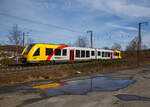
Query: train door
(96, 54)
(111, 55)
(71, 55)
(36, 54)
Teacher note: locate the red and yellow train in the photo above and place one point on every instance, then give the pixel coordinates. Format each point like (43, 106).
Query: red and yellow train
(34, 53)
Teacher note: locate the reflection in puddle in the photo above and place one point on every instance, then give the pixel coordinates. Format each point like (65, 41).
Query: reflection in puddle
(86, 85)
(127, 97)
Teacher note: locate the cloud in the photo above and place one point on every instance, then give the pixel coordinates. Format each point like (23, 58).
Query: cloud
(121, 8)
(23, 8)
(122, 27)
(45, 12)
(101, 16)
(120, 36)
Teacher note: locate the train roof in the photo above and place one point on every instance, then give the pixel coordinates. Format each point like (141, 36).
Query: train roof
(76, 47)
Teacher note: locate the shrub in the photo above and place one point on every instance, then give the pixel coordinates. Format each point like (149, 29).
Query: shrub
(6, 61)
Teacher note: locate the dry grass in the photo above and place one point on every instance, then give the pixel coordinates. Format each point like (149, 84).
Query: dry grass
(63, 71)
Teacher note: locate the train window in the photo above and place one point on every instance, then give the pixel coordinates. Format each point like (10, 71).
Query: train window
(64, 52)
(82, 53)
(117, 54)
(87, 53)
(102, 54)
(92, 53)
(58, 52)
(49, 51)
(108, 54)
(28, 48)
(99, 53)
(77, 53)
(37, 52)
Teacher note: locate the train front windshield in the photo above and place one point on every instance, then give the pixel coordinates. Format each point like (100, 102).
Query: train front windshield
(28, 49)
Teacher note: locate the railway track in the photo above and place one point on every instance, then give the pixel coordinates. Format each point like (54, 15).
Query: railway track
(13, 68)
(22, 69)
(39, 67)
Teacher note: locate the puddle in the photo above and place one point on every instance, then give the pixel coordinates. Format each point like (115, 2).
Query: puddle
(127, 97)
(87, 85)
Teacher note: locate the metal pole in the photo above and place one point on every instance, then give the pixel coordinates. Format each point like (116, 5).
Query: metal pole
(23, 42)
(139, 41)
(91, 37)
(139, 44)
(16, 34)
(140, 38)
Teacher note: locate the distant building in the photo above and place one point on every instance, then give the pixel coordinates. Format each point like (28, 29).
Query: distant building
(10, 50)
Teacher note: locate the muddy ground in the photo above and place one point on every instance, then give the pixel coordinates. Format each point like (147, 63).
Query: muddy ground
(24, 95)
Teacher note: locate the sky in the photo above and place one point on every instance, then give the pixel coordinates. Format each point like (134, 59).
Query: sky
(63, 21)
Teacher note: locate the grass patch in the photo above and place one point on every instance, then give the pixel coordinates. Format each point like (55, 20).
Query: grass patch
(100, 64)
(6, 61)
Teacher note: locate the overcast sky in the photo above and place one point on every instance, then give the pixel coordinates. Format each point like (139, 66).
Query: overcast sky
(112, 21)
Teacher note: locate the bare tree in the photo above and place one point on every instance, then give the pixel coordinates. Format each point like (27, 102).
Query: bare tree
(132, 48)
(144, 47)
(67, 44)
(105, 47)
(15, 39)
(15, 36)
(70, 44)
(133, 45)
(116, 46)
(82, 41)
(0, 53)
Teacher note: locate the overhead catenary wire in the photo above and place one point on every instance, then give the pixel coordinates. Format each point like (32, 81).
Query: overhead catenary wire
(38, 22)
(25, 28)
(10, 26)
